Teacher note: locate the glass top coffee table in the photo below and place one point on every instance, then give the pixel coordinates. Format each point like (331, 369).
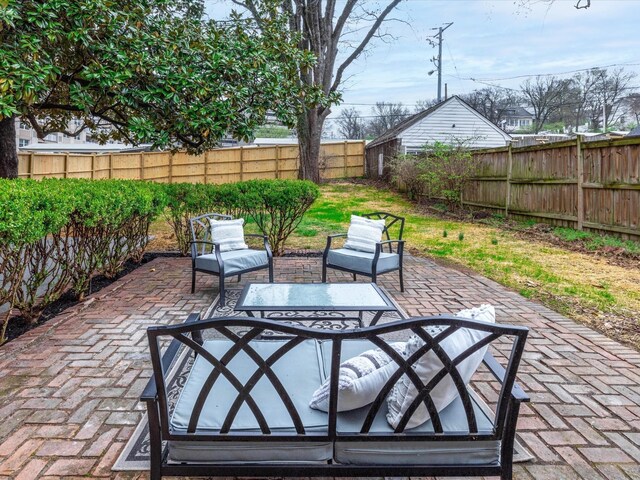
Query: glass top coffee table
(315, 297)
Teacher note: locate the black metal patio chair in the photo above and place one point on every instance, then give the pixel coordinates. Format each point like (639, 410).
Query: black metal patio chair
(386, 258)
(207, 257)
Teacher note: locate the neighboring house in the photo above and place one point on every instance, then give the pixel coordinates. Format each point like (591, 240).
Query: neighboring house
(517, 118)
(452, 121)
(527, 139)
(26, 135)
(635, 132)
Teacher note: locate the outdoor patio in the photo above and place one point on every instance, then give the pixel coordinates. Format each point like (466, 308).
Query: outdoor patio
(69, 389)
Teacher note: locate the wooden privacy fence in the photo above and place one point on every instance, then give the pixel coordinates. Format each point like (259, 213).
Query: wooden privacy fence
(338, 160)
(584, 185)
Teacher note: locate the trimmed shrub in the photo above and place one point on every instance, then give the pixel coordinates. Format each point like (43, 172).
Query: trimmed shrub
(188, 200)
(110, 224)
(276, 206)
(57, 234)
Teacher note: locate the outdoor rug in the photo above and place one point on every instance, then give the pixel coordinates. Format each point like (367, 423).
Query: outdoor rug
(135, 455)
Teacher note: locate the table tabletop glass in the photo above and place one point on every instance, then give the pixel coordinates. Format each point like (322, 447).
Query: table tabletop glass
(305, 296)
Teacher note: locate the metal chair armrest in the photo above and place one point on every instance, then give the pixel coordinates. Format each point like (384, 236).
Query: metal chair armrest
(265, 239)
(150, 392)
(329, 240)
(498, 371)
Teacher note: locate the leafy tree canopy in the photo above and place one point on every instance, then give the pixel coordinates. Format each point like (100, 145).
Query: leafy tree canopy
(154, 69)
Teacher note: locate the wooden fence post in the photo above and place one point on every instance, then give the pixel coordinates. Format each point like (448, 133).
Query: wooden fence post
(206, 167)
(365, 167)
(277, 161)
(241, 164)
(110, 166)
(580, 179)
(30, 165)
(170, 167)
(345, 151)
(507, 202)
(93, 166)
(66, 166)
(142, 166)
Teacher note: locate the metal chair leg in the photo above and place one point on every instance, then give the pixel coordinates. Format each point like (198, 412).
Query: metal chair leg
(239, 278)
(221, 284)
(324, 272)
(193, 281)
(401, 281)
(270, 272)
(354, 277)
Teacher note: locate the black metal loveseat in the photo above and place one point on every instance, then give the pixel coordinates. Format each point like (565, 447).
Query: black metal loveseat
(244, 407)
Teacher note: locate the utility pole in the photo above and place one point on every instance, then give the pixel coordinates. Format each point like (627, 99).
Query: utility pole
(439, 61)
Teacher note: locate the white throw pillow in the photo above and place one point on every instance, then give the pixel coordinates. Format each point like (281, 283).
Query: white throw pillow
(361, 379)
(229, 234)
(404, 391)
(364, 233)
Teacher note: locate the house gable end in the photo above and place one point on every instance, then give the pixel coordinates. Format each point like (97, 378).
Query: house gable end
(453, 121)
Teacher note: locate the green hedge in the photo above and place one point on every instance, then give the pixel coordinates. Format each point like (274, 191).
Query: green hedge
(57, 234)
(276, 206)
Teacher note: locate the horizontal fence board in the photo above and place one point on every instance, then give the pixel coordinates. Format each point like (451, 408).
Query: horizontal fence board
(545, 184)
(224, 165)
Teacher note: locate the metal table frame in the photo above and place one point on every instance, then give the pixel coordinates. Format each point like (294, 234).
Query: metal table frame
(263, 309)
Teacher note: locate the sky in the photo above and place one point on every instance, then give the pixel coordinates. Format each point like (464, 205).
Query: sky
(491, 42)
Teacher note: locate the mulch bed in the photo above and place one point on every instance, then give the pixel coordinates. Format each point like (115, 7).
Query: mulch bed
(18, 325)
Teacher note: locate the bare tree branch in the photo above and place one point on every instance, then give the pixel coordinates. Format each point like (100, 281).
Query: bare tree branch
(364, 42)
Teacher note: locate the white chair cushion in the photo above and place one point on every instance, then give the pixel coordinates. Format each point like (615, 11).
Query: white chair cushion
(364, 233)
(229, 234)
(361, 379)
(404, 392)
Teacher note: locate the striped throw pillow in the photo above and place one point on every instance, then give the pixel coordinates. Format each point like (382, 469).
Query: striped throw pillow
(364, 233)
(360, 380)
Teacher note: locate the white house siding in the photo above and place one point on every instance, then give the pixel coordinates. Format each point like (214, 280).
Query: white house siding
(439, 126)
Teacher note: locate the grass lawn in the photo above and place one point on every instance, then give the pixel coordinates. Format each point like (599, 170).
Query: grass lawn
(579, 285)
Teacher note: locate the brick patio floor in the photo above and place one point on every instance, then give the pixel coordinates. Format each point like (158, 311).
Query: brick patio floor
(68, 389)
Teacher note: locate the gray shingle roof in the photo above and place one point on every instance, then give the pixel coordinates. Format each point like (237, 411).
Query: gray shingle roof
(635, 132)
(517, 111)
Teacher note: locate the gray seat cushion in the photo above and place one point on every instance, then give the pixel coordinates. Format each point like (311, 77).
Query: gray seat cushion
(362, 261)
(485, 452)
(300, 382)
(234, 261)
(312, 363)
(453, 420)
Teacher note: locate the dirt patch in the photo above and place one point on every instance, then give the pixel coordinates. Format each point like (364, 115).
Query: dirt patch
(544, 233)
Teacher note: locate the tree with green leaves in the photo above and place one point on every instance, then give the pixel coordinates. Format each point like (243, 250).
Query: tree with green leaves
(154, 70)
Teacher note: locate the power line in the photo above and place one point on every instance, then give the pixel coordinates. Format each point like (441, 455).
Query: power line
(549, 74)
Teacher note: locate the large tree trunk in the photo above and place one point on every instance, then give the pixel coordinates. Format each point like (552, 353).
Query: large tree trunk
(309, 134)
(8, 149)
